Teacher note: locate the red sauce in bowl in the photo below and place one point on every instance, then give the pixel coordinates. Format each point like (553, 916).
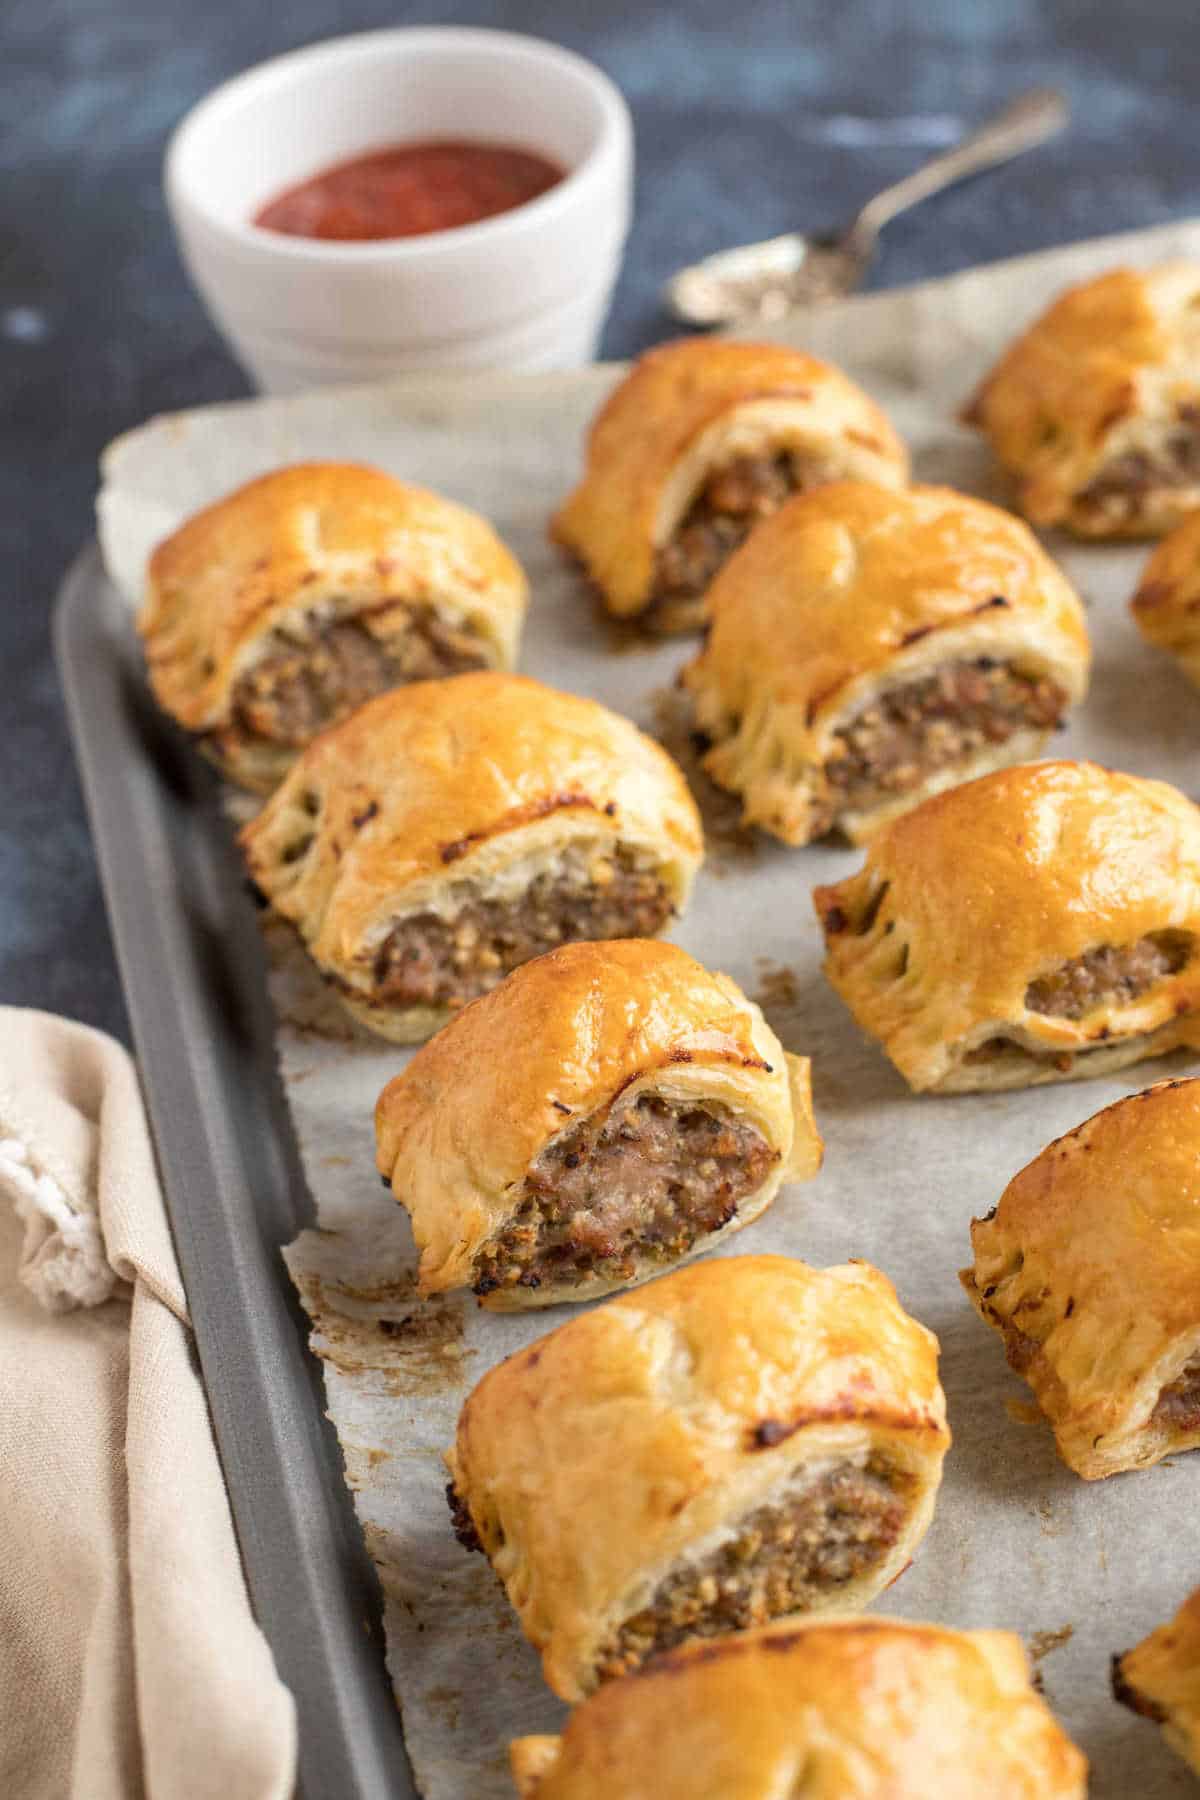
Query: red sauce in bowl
(410, 189)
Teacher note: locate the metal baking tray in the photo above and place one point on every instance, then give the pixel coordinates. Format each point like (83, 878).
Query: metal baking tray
(196, 991)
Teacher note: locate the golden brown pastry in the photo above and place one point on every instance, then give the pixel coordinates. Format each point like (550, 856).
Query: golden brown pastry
(1166, 607)
(1039, 924)
(831, 1709)
(1160, 1678)
(450, 830)
(1089, 1269)
(1096, 410)
(276, 612)
(609, 1110)
(868, 648)
(700, 441)
(742, 1439)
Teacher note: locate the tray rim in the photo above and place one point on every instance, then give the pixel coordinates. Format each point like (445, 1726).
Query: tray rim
(220, 1127)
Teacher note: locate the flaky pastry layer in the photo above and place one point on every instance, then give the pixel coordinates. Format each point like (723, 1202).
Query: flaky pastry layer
(840, 1709)
(1160, 1678)
(688, 408)
(563, 1040)
(1089, 399)
(1089, 1268)
(970, 907)
(1166, 606)
(635, 1435)
(446, 791)
(305, 546)
(846, 595)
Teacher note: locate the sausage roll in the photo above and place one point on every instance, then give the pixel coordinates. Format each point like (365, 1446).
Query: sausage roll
(1160, 1678)
(1089, 1269)
(1166, 607)
(276, 612)
(741, 1439)
(1096, 410)
(649, 1111)
(868, 648)
(1039, 924)
(837, 1709)
(450, 830)
(698, 443)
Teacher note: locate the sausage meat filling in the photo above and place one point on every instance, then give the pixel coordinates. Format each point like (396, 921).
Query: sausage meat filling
(931, 724)
(634, 1186)
(303, 684)
(783, 1558)
(429, 960)
(1119, 492)
(1106, 976)
(1178, 1405)
(722, 516)
(1109, 976)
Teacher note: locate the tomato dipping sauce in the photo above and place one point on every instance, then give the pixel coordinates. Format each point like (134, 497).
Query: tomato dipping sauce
(410, 189)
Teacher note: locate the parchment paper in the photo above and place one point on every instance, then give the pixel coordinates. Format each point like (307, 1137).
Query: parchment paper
(1080, 1570)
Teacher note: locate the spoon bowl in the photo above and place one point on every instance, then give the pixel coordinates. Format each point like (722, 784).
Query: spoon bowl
(765, 281)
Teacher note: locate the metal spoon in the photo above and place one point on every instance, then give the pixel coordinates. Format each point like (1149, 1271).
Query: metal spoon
(765, 281)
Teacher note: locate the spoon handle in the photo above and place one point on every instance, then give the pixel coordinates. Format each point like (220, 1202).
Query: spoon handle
(1030, 119)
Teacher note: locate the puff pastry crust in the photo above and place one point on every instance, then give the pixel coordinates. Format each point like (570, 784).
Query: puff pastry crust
(1160, 1678)
(868, 648)
(1038, 924)
(1089, 1268)
(685, 413)
(330, 567)
(531, 1140)
(1166, 607)
(834, 1709)
(450, 828)
(628, 1475)
(1095, 410)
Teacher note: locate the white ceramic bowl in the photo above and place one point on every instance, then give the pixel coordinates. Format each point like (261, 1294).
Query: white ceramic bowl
(528, 289)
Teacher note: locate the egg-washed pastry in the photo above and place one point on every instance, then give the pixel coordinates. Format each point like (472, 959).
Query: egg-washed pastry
(1166, 607)
(609, 1110)
(1039, 924)
(1095, 411)
(868, 648)
(832, 1709)
(274, 613)
(450, 830)
(1089, 1268)
(741, 1439)
(1160, 1678)
(700, 442)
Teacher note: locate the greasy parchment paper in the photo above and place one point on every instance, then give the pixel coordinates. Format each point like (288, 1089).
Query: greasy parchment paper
(1080, 1570)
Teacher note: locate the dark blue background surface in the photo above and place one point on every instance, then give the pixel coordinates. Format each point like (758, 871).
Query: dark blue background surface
(751, 118)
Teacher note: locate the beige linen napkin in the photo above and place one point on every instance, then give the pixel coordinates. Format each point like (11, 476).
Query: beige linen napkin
(130, 1663)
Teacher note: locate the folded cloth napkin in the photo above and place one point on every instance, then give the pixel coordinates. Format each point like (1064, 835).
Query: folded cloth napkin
(130, 1663)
